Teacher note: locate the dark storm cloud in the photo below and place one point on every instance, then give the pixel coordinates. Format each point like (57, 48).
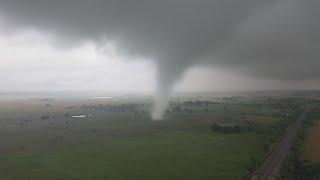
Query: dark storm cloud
(269, 38)
(279, 35)
(281, 42)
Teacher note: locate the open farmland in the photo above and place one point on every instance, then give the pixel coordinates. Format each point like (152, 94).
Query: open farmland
(114, 138)
(311, 152)
(312, 147)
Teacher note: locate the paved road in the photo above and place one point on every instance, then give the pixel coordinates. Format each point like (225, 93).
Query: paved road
(270, 168)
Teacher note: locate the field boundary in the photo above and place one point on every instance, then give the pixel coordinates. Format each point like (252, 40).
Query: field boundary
(270, 169)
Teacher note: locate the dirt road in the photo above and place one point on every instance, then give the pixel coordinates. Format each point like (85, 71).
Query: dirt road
(270, 168)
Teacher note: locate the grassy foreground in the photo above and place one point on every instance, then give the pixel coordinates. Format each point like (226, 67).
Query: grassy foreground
(179, 155)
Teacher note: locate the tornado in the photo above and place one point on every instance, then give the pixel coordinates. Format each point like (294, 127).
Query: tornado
(268, 39)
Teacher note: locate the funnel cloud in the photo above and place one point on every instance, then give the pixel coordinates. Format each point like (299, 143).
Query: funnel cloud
(273, 39)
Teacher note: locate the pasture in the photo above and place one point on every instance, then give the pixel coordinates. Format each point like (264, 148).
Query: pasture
(40, 138)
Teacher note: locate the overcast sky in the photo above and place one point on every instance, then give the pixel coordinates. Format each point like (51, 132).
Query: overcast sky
(131, 46)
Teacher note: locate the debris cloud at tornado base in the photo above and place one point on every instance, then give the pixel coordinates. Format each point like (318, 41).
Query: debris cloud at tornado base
(276, 39)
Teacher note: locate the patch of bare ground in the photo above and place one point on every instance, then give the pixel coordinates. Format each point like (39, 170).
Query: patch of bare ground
(312, 147)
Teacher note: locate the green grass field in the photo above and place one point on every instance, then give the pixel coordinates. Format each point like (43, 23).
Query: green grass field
(123, 145)
(178, 155)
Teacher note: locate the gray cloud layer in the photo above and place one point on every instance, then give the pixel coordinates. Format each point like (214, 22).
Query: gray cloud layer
(276, 39)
